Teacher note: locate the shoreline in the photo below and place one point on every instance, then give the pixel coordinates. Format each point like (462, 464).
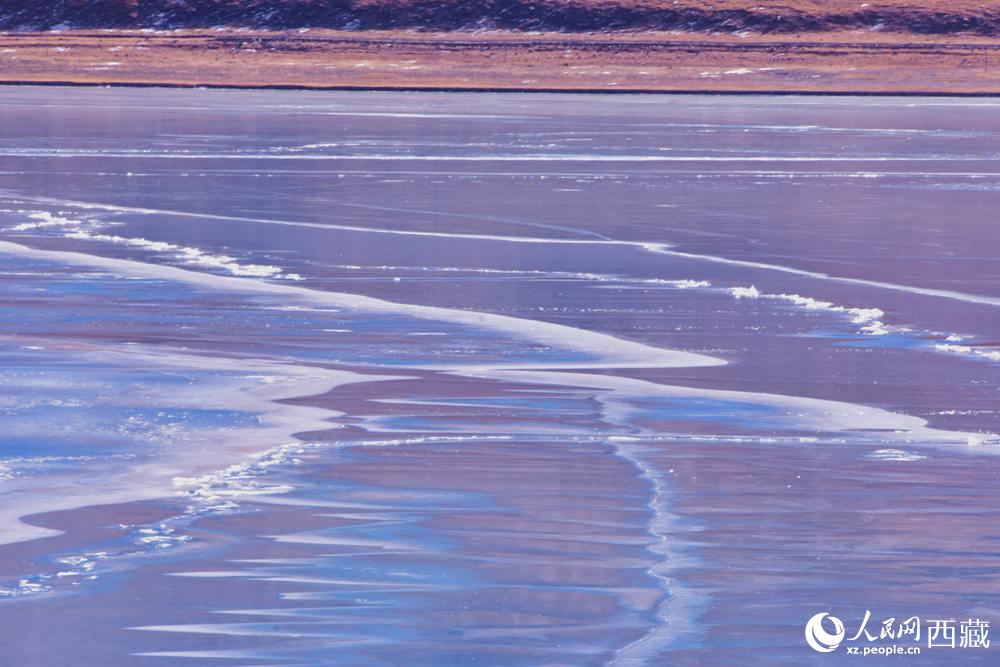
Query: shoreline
(836, 63)
(495, 91)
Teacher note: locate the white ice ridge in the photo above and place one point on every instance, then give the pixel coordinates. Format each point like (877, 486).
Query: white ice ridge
(869, 319)
(855, 421)
(210, 493)
(603, 350)
(45, 219)
(238, 479)
(677, 609)
(666, 249)
(190, 255)
(895, 455)
(969, 351)
(649, 246)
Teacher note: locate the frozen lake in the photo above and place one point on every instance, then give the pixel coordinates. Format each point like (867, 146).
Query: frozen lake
(370, 379)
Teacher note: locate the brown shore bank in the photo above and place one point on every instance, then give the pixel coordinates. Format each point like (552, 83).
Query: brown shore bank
(852, 61)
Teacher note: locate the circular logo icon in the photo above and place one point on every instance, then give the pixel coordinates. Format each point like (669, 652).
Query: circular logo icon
(818, 638)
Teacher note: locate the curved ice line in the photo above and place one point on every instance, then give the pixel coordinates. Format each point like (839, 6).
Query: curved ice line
(608, 351)
(472, 216)
(675, 612)
(317, 225)
(664, 249)
(823, 414)
(658, 247)
(382, 157)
